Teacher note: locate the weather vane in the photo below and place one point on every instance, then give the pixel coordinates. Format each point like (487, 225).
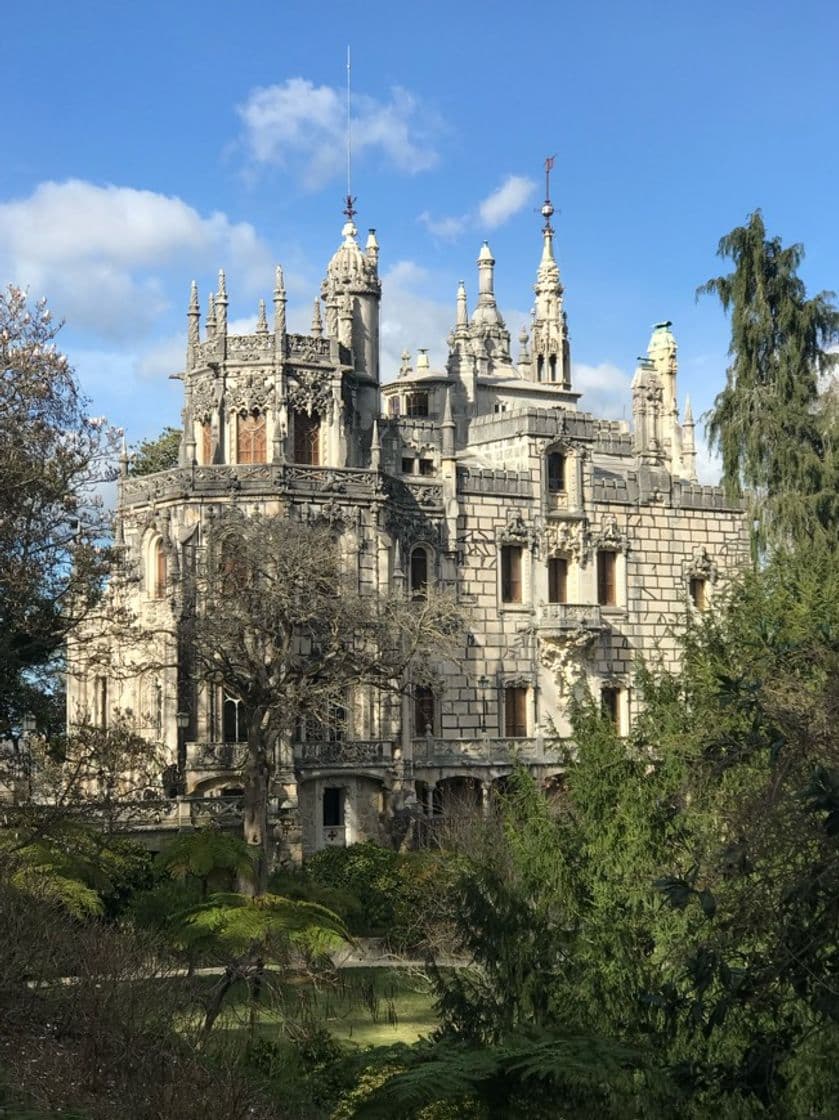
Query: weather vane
(349, 208)
(547, 209)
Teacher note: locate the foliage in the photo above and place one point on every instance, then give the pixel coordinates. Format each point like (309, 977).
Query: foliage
(277, 619)
(157, 454)
(207, 855)
(765, 421)
(53, 456)
(370, 872)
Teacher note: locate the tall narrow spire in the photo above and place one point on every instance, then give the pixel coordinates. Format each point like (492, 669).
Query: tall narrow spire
(462, 317)
(279, 307)
(211, 315)
(193, 320)
(221, 304)
(261, 320)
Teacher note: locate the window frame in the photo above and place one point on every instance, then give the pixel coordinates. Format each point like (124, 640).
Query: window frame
(604, 585)
(418, 404)
(516, 704)
(252, 441)
(511, 564)
(558, 594)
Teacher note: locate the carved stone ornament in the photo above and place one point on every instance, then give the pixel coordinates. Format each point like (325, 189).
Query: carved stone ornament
(565, 655)
(701, 566)
(312, 392)
(564, 538)
(516, 531)
(609, 535)
(249, 392)
(308, 349)
(205, 397)
(411, 527)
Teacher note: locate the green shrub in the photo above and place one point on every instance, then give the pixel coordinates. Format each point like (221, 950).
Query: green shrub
(370, 873)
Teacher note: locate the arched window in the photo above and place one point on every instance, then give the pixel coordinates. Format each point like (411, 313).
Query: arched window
(419, 572)
(234, 727)
(251, 445)
(556, 472)
(158, 571)
(206, 442)
(307, 438)
(552, 366)
(540, 368)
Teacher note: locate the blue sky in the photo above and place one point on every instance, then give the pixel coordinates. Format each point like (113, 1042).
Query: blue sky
(149, 144)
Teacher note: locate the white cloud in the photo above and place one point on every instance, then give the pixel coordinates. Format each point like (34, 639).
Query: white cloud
(493, 211)
(302, 127)
(708, 463)
(98, 252)
(605, 387)
(447, 229)
(411, 318)
(513, 194)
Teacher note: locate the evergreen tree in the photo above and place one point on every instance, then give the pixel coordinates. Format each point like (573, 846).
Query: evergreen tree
(765, 422)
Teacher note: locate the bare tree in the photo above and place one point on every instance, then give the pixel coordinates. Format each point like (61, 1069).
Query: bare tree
(278, 622)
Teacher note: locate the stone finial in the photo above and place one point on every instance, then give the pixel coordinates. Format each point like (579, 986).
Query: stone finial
(261, 320)
(211, 316)
(688, 414)
(372, 248)
(462, 317)
(375, 446)
(221, 304)
(279, 307)
(123, 458)
(193, 317)
(689, 444)
(422, 360)
(405, 367)
(317, 321)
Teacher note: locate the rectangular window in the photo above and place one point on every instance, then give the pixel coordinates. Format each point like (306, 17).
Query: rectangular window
(250, 438)
(515, 712)
(407, 466)
(697, 593)
(610, 706)
(207, 442)
(607, 588)
(416, 404)
(511, 573)
(426, 466)
(423, 711)
(393, 406)
(557, 580)
(333, 807)
(306, 438)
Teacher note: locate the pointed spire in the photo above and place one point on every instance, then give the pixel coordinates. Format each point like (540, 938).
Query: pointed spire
(688, 422)
(221, 304)
(317, 322)
(375, 446)
(193, 320)
(398, 570)
(123, 458)
(462, 317)
(279, 309)
(261, 320)
(689, 444)
(448, 426)
(372, 248)
(211, 316)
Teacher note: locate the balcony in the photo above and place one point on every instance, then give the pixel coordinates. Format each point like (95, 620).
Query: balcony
(533, 751)
(353, 753)
(216, 756)
(557, 619)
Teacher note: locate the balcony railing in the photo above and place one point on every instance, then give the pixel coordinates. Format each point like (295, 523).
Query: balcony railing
(570, 616)
(216, 756)
(353, 752)
(531, 751)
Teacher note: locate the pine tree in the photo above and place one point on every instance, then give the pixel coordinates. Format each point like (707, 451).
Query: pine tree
(765, 422)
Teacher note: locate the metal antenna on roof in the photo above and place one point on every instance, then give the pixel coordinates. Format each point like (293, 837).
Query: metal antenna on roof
(349, 209)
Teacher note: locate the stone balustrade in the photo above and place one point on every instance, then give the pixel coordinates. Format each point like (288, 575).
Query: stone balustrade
(216, 756)
(353, 752)
(455, 753)
(570, 616)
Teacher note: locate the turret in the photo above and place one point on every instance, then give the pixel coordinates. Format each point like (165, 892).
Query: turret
(355, 274)
(491, 339)
(551, 357)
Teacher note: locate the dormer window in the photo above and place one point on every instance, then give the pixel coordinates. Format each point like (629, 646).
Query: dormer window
(556, 472)
(416, 404)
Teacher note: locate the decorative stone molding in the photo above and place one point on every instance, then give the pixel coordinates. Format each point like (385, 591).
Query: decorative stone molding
(250, 347)
(566, 538)
(305, 348)
(312, 392)
(205, 397)
(701, 566)
(250, 392)
(516, 531)
(608, 534)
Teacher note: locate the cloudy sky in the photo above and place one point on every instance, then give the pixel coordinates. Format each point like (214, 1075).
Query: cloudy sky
(147, 145)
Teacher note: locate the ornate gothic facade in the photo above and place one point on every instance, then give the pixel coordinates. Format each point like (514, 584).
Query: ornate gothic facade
(575, 544)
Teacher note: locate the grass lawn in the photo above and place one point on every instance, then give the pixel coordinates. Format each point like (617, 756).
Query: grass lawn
(367, 1006)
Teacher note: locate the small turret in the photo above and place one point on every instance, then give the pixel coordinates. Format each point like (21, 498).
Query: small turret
(462, 313)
